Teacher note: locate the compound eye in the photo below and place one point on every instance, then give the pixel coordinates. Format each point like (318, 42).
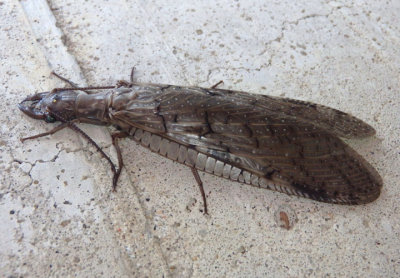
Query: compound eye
(49, 119)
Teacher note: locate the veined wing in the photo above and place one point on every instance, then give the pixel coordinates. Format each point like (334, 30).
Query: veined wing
(326, 118)
(292, 143)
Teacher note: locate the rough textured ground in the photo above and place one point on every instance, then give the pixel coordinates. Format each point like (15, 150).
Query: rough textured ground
(58, 216)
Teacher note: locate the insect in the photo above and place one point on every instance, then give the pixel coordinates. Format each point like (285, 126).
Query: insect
(282, 144)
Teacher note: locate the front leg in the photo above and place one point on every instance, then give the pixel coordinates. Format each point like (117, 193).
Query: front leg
(54, 130)
(115, 138)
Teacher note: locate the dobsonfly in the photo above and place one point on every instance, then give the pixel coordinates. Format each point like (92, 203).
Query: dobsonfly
(281, 144)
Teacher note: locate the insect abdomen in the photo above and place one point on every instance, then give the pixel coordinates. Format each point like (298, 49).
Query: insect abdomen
(202, 162)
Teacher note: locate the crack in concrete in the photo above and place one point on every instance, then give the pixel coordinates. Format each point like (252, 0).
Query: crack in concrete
(32, 165)
(42, 161)
(285, 26)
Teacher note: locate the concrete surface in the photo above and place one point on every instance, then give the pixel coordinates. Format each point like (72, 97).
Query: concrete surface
(58, 216)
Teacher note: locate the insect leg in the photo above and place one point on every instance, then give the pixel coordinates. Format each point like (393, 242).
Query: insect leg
(216, 85)
(132, 71)
(72, 126)
(91, 141)
(54, 130)
(200, 183)
(124, 83)
(115, 138)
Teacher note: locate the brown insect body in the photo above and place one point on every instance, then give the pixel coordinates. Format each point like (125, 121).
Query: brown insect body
(275, 143)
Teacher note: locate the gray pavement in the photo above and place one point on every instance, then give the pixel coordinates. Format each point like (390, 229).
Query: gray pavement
(58, 215)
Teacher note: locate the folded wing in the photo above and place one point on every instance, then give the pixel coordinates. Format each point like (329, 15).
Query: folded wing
(293, 143)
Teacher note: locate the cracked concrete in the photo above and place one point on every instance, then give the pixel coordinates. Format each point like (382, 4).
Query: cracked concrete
(59, 216)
